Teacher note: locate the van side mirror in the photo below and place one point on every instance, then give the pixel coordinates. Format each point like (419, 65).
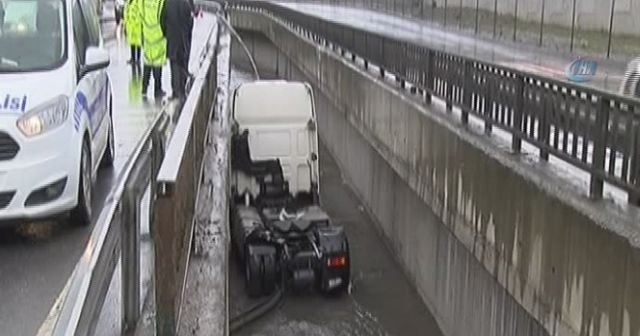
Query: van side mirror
(96, 58)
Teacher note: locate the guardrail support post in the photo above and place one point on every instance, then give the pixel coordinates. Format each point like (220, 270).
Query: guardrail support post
(600, 148)
(166, 260)
(429, 76)
(449, 93)
(467, 81)
(367, 51)
(130, 262)
(518, 111)
(544, 128)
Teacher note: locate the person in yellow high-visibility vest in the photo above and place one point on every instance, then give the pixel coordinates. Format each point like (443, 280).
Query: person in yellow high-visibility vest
(133, 29)
(154, 46)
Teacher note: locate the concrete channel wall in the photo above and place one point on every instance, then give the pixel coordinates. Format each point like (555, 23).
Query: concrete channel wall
(495, 245)
(592, 15)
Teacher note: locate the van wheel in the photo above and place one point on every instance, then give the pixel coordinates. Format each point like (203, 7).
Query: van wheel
(82, 213)
(109, 152)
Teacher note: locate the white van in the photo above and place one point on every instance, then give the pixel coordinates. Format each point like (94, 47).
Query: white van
(55, 108)
(280, 120)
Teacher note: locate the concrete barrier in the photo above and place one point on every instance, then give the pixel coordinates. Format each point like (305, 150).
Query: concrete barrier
(495, 244)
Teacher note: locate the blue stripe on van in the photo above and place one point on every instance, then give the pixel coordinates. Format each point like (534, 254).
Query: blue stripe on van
(95, 111)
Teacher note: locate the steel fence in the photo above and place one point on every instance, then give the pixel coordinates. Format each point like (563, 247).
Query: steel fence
(593, 130)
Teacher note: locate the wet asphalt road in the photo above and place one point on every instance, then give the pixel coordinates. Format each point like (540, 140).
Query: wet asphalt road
(382, 302)
(34, 267)
(526, 58)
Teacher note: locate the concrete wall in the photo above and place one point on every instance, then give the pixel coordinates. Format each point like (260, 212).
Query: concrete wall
(494, 246)
(590, 14)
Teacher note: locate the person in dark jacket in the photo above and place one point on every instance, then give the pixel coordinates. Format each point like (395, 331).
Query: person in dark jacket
(177, 24)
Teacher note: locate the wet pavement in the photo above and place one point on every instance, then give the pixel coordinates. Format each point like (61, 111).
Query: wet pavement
(382, 302)
(523, 57)
(35, 267)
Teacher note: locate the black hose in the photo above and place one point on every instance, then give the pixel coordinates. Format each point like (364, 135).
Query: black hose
(245, 318)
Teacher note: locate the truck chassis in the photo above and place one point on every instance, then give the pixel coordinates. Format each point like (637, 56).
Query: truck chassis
(283, 239)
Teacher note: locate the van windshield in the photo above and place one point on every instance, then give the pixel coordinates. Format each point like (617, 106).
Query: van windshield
(31, 35)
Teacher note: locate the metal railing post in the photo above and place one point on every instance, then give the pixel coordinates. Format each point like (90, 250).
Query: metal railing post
(446, 6)
(515, 22)
(600, 148)
(544, 126)
(157, 155)
(573, 25)
(449, 75)
(477, 16)
(495, 17)
(518, 111)
(429, 76)
(541, 24)
(488, 104)
(130, 259)
(467, 80)
(613, 8)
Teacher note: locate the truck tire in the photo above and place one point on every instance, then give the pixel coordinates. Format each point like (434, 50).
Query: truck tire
(269, 266)
(260, 270)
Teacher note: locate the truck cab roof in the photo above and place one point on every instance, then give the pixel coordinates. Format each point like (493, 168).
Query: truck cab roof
(273, 102)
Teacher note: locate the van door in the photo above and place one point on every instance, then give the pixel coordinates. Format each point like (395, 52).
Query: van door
(91, 90)
(101, 118)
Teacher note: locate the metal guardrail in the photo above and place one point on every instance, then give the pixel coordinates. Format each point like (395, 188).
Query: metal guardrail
(178, 186)
(116, 235)
(593, 130)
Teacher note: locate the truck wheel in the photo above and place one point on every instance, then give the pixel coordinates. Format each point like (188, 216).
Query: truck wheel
(260, 270)
(252, 274)
(270, 271)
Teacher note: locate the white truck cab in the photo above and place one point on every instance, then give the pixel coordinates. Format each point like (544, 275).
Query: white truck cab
(280, 119)
(278, 227)
(55, 108)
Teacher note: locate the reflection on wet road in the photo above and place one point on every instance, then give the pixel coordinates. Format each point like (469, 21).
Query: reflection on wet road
(383, 301)
(524, 58)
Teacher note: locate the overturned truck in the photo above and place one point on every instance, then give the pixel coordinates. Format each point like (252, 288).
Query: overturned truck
(279, 231)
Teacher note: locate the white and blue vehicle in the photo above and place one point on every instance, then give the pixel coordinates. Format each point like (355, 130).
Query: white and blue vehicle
(56, 126)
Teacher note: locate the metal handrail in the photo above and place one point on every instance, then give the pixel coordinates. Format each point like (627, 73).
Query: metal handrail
(178, 185)
(116, 235)
(592, 129)
(113, 234)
